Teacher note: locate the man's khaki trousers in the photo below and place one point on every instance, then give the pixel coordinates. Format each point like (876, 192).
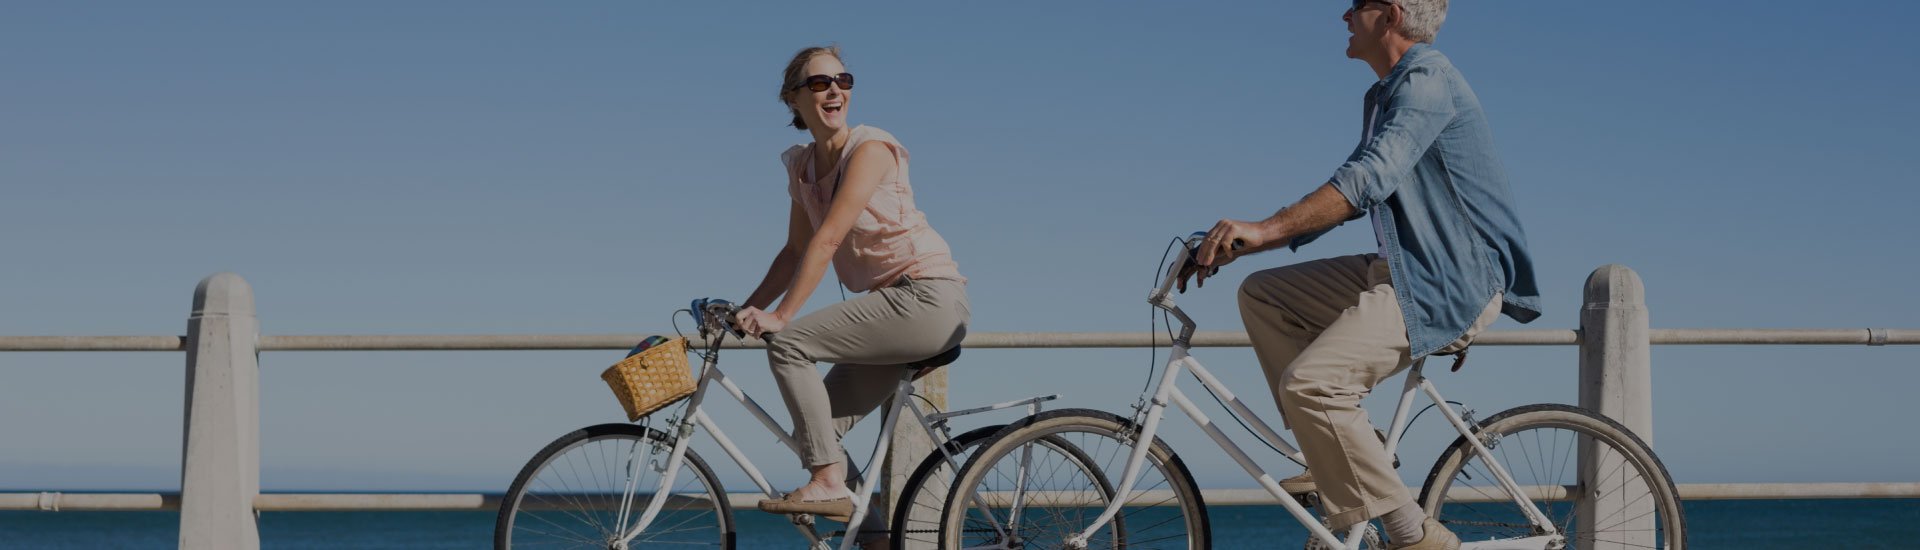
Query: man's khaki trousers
(1326, 332)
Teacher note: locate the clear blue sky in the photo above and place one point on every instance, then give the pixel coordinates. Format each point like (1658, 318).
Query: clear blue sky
(381, 168)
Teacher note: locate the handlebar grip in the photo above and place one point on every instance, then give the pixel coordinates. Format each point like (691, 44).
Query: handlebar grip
(1194, 242)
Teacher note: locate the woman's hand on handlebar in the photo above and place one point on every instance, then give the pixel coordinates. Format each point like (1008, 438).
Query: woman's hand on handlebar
(757, 322)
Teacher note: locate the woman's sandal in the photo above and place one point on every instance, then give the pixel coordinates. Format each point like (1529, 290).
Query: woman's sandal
(838, 509)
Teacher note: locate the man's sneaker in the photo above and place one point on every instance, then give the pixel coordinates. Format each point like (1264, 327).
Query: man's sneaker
(1298, 485)
(1437, 538)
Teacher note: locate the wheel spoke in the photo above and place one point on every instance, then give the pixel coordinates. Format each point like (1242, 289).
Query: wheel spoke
(1634, 501)
(1075, 465)
(572, 492)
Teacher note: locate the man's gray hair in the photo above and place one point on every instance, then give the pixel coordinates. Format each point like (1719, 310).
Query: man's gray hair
(1422, 18)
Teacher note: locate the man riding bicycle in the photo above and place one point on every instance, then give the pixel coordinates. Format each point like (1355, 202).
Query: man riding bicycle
(1452, 256)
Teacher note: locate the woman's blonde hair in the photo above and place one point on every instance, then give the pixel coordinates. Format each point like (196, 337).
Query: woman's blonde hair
(797, 72)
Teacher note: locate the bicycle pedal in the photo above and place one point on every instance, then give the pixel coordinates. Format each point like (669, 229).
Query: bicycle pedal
(1307, 500)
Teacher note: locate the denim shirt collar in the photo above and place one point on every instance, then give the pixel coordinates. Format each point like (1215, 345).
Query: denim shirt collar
(1415, 55)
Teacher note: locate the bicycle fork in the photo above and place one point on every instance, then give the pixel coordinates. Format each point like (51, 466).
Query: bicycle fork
(682, 432)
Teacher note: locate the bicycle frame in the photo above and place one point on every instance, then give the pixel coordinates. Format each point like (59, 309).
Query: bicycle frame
(1167, 391)
(683, 429)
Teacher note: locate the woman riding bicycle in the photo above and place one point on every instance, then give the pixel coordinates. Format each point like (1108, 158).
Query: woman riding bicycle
(851, 205)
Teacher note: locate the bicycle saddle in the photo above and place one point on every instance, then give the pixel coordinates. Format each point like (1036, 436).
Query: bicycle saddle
(943, 359)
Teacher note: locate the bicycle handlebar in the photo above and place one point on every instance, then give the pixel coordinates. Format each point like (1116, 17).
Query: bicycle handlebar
(715, 315)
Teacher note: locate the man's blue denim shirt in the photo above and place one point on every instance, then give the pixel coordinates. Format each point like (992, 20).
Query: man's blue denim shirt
(1428, 175)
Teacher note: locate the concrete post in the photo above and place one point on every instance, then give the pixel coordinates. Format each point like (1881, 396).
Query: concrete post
(910, 444)
(1616, 379)
(220, 463)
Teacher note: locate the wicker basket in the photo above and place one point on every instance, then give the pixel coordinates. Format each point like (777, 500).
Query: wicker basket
(652, 379)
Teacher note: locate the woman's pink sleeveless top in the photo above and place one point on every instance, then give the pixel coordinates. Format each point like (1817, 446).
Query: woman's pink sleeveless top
(891, 237)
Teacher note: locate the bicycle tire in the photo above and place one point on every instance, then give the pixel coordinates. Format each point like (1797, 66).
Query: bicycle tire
(916, 519)
(528, 493)
(1647, 483)
(1187, 527)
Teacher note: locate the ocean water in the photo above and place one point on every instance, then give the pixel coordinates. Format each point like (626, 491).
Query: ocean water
(1734, 525)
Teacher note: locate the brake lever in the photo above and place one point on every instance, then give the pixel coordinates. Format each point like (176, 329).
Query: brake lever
(705, 310)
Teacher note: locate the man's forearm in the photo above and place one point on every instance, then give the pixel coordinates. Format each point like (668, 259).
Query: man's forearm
(1323, 208)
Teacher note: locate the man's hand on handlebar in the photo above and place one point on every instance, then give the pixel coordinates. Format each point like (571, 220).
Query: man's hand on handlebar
(1193, 270)
(757, 322)
(1226, 242)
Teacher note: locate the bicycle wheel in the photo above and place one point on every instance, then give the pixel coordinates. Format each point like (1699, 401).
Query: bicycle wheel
(916, 520)
(1625, 499)
(1050, 499)
(569, 495)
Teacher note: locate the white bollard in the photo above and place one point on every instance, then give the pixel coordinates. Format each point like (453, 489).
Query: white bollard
(220, 462)
(1616, 379)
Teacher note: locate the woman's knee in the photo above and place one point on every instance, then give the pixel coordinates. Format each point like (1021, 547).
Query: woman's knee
(786, 351)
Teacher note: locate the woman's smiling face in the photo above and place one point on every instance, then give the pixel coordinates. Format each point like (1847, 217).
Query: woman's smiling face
(825, 109)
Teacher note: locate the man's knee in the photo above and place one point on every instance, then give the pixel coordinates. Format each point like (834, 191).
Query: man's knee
(1256, 289)
(1271, 287)
(1307, 382)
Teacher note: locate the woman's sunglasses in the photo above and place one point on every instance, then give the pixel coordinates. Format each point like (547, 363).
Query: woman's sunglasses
(819, 82)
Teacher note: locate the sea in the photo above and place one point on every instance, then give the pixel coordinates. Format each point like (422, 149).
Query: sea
(1722, 524)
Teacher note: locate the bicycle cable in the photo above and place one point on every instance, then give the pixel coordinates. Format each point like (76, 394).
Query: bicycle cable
(675, 320)
(1423, 410)
(1154, 314)
(930, 405)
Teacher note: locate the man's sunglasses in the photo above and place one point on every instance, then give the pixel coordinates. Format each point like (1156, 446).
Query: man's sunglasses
(819, 82)
(1357, 4)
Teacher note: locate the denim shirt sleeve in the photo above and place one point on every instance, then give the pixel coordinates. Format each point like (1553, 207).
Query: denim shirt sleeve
(1303, 239)
(1416, 110)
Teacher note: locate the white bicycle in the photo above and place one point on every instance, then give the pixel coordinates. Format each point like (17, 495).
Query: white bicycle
(1511, 481)
(621, 485)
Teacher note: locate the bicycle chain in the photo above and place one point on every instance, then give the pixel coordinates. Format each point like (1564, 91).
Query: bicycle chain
(1488, 524)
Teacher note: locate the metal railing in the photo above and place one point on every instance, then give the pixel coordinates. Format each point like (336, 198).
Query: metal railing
(979, 340)
(220, 469)
(488, 502)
